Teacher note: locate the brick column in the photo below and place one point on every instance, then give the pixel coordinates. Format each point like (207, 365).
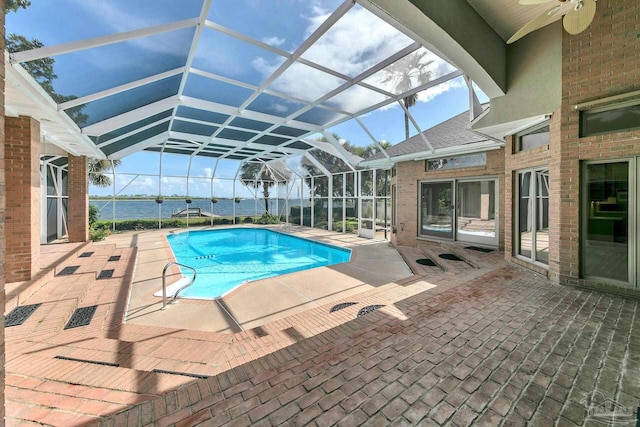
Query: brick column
(2, 229)
(78, 207)
(22, 154)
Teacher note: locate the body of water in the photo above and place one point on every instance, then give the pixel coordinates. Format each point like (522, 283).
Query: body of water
(148, 209)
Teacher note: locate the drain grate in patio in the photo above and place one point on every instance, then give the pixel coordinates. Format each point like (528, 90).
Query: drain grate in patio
(184, 374)
(105, 274)
(341, 306)
(93, 362)
(476, 248)
(114, 258)
(426, 261)
(450, 257)
(368, 309)
(85, 254)
(19, 315)
(69, 270)
(81, 317)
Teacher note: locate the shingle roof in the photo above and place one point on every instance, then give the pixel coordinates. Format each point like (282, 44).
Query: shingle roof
(450, 133)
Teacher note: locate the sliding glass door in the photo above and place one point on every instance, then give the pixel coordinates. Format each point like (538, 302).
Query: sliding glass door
(436, 209)
(476, 212)
(609, 221)
(464, 210)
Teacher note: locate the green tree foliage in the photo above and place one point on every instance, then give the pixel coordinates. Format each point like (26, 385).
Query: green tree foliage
(98, 169)
(14, 5)
(258, 175)
(43, 72)
(412, 71)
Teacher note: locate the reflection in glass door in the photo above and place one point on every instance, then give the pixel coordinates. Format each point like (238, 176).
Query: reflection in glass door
(605, 232)
(532, 215)
(436, 209)
(476, 212)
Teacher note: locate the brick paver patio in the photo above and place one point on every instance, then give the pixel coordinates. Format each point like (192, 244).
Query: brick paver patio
(507, 348)
(491, 345)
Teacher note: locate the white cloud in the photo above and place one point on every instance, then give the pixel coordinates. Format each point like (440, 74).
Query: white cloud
(274, 41)
(279, 108)
(350, 47)
(120, 21)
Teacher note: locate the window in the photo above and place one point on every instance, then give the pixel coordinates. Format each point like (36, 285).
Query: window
(536, 136)
(611, 119)
(457, 162)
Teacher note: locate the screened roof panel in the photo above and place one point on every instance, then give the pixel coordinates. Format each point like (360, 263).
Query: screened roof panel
(79, 20)
(216, 91)
(351, 46)
(271, 140)
(134, 126)
(356, 98)
(411, 71)
(194, 128)
(305, 83)
(236, 135)
(250, 124)
(320, 116)
(242, 16)
(202, 115)
(274, 105)
(135, 138)
(114, 105)
(229, 57)
(236, 157)
(219, 73)
(289, 131)
(299, 145)
(111, 66)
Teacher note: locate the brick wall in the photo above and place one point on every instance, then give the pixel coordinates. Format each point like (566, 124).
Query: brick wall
(600, 62)
(518, 161)
(22, 156)
(2, 220)
(78, 206)
(409, 175)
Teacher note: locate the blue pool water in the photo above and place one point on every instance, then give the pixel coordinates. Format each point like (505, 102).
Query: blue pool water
(227, 258)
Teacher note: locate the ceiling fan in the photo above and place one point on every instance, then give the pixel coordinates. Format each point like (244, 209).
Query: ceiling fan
(578, 14)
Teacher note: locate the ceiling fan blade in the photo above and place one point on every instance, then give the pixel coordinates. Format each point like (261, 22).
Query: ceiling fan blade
(577, 20)
(537, 22)
(530, 2)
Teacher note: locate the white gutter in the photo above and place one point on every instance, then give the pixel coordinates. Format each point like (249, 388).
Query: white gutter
(58, 127)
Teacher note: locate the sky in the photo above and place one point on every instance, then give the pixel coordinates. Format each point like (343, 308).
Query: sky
(356, 42)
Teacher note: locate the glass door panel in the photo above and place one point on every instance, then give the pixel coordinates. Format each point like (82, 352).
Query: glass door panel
(525, 229)
(542, 216)
(436, 209)
(605, 236)
(476, 221)
(533, 215)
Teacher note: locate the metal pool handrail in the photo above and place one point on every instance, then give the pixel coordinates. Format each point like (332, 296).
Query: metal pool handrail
(164, 282)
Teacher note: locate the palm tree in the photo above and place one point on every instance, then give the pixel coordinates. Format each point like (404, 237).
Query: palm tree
(258, 174)
(97, 169)
(411, 71)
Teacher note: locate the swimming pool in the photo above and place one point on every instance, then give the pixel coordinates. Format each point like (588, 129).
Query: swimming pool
(227, 258)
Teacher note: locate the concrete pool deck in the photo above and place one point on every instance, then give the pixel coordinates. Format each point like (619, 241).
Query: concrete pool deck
(471, 342)
(263, 301)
